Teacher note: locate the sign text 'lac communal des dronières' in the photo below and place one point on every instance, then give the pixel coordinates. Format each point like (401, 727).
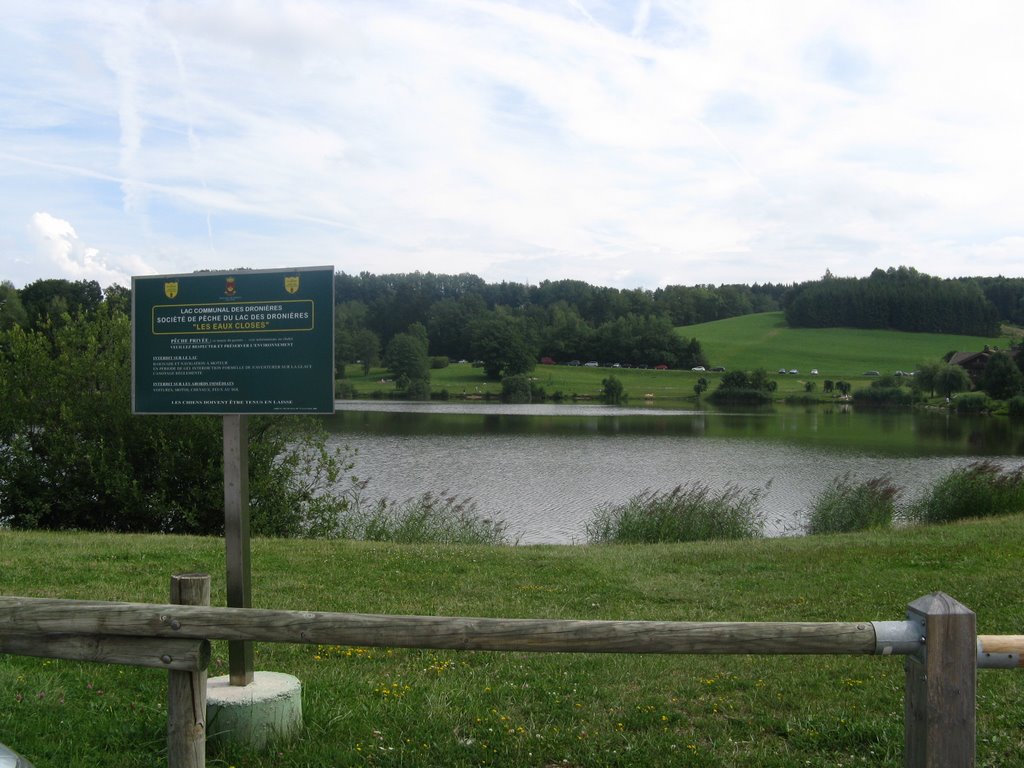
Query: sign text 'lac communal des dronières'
(234, 342)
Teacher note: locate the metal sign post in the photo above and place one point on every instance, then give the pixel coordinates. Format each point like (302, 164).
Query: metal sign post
(233, 344)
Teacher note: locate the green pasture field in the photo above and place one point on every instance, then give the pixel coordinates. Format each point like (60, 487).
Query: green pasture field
(743, 343)
(765, 341)
(408, 707)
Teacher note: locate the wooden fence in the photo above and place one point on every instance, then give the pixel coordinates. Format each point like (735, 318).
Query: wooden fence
(937, 639)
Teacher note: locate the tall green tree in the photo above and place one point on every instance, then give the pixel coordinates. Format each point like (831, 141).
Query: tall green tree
(47, 301)
(406, 357)
(926, 376)
(950, 379)
(500, 342)
(366, 348)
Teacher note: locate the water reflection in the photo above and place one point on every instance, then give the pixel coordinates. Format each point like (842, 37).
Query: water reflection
(545, 468)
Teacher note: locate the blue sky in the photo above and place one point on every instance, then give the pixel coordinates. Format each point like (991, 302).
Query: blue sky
(631, 144)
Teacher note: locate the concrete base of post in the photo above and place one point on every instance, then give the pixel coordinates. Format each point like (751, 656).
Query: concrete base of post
(268, 708)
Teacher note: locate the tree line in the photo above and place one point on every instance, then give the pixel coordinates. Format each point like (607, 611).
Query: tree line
(903, 299)
(508, 326)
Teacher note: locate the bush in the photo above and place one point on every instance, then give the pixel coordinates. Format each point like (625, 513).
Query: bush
(754, 388)
(846, 506)
(515, 389)
(883, 396)
(973, 403)
(801, 400)
(691, 512)
(437, 362)
(982, 489)
(1015, 406)
(345, 390)
(743, 396)
(412, 389)
(612, 390)
(427, 519)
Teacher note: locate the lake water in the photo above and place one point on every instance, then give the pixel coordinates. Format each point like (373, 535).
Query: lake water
(543, 469)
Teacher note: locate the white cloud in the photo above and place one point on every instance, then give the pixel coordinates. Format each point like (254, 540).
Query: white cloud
(662, 140)
(64, 255)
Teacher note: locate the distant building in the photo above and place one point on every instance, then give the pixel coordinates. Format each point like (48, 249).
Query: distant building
(974, 362)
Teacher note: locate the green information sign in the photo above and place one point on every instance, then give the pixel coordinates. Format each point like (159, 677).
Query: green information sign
(258, 341)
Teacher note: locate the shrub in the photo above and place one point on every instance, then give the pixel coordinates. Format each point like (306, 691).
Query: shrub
(739, 387)
(612, 390)
(744, 396)
(846, 506)
(800, 400)
(515, 389)
(345, 389)
(426, 519)
(883, 396)
(412, 389)
(1015, 405)
(437, 362)
(973, 403)
(691, 512)
(981, 489)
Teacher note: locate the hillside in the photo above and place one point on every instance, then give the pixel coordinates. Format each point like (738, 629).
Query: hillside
(765, 341)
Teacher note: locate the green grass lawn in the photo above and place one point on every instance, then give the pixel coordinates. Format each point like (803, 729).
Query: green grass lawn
(741, 343)
(405, 707)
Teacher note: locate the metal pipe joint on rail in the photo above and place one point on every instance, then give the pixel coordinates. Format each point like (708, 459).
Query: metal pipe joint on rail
(898, 638)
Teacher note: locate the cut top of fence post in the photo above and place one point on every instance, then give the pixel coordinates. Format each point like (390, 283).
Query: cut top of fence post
(190, 589)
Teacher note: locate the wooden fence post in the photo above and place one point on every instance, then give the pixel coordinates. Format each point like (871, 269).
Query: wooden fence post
(186, 691)
(940, 686)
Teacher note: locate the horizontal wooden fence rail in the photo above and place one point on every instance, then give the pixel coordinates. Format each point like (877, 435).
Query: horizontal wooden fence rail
(42, 615)
(183, 655)
(83, 623)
